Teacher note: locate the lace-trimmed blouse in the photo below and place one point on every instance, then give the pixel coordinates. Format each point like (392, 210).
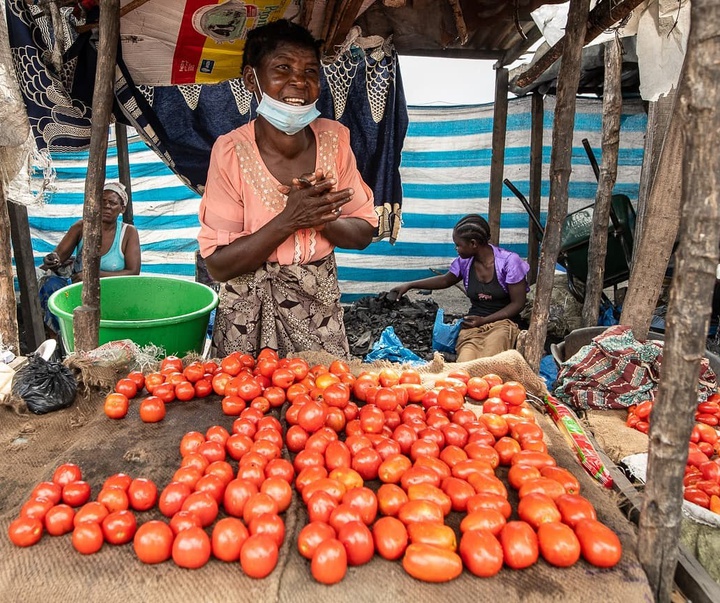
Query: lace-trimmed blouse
(241, 194)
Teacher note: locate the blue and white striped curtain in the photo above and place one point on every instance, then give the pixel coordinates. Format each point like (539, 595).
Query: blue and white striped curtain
(445, 172)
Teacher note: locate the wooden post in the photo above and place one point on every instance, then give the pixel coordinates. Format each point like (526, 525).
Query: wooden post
(86, 318)
(27, 279)
(689, 310)
(123, 157)
(597, 250)
(8, 303)
(497, 162)
(659, 114)
(661, 218)
(537, 113)
(560, 168)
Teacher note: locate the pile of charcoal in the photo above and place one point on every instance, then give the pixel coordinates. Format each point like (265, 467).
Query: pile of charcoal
(412, 322)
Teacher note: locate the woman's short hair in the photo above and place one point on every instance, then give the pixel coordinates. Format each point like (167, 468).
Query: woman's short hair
(263, 41)
(473, 226)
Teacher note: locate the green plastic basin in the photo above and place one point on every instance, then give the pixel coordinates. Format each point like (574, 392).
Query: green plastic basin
(167, 312)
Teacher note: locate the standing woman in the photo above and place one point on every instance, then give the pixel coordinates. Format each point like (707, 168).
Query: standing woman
(495, 281)
(282, 192)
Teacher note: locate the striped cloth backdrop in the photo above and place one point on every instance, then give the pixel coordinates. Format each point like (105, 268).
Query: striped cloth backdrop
(445, 172)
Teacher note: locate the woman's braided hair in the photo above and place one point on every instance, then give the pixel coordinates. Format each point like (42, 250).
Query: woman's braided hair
(473, 226)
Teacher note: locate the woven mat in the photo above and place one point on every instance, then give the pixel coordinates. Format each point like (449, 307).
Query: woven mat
(52, 570)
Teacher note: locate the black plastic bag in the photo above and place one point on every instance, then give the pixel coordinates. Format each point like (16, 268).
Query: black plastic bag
(45, 386)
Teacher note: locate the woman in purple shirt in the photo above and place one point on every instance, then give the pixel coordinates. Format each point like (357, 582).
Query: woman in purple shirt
(495, 281)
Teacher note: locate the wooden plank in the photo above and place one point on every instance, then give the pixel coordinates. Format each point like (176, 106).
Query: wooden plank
(121, 142)
(27, 279)
(560, 169)
(537, 114)
(597, 248)
(86, 318)
(8, 303)
(497, 162)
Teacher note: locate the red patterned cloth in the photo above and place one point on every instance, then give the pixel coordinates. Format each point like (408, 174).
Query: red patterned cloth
(616, 371)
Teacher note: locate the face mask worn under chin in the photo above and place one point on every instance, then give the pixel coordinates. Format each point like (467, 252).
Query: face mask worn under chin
(286, 118)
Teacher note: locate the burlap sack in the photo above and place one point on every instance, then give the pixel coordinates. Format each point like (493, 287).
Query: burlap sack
(53, 571)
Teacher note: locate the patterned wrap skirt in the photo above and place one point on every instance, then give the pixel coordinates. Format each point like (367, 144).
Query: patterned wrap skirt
(289, 308)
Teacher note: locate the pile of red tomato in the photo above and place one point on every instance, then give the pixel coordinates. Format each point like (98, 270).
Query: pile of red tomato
(702, 471)
(381, 461)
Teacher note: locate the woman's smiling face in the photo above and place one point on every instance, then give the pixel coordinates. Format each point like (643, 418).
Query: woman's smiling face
(291, 74)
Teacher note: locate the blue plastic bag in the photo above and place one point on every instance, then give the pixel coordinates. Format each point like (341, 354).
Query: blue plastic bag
(445, 334)
(389, 347)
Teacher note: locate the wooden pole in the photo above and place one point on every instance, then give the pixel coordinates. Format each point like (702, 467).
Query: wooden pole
(497, 162)
(689, 310)
(537, 113)
(658, 123)
(27, 279)
(605, 14)
(123, 157)
(560, 168)
(597, 250)
(86, 318)
(661, 218)
(8, 303)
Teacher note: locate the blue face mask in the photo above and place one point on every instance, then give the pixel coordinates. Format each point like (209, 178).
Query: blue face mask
(286, 118)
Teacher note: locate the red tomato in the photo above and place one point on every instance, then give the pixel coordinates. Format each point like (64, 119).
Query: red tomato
(92, 511)
(172, 498)
(184, 391)
(59, 520)
(367, 463)
(258, 504)
(66, 473)
(270, 524)
(119, 527)
(87, 537)
(358, 542)
(114, 498)
(420, 510)
(481, 553)
(138, 378)
(329, 562)
(49, 490)
(487, 520)
(25, 531)
(258, 555)
(697, 496)
(390, 537)
(426, 532)
(203, 505)
(537, 508)
(312, 535)
(228, 536)
(364, 500)
(142, 494)
(76, 494)
(600, 546)
(573, 508)
(36, 508)
(203, 388)
(431, 564)
(153, 542)
(559, 545)
(152, 409)
(520, 544)
(191, 548)
(182, 520)
(126, 387)
(390, 499)
(116, 405)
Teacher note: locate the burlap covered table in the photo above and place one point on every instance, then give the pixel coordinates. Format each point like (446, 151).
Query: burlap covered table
(53, 571)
